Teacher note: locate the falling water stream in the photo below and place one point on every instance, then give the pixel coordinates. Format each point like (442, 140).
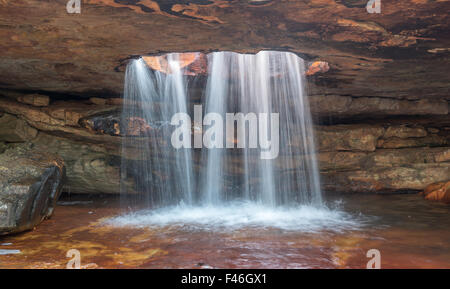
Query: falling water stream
(162, 175)
(265, 83)
(217, 183)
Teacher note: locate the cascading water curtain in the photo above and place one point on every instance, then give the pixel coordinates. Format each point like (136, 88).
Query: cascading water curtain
(254, 85)
(268, 82)
(150, 165)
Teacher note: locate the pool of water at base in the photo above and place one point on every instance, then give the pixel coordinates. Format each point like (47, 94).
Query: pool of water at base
(408, 231)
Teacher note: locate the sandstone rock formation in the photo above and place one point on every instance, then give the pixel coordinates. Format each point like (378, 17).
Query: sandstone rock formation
(438, 192)
(13, 129)
(401, 53)
(34, 99)
(317, 67)
(371, 156)
(30, 184)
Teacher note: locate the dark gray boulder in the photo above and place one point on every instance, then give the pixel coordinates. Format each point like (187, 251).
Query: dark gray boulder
(30, 184)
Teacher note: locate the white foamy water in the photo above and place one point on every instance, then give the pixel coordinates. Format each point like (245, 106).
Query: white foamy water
(236, 216)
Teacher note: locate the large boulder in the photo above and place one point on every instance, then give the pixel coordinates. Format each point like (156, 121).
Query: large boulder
(30, 184)
(90, 168)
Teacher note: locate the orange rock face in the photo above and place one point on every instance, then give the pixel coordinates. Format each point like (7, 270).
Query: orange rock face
(191, 63)
(318, 67)
(438, 192)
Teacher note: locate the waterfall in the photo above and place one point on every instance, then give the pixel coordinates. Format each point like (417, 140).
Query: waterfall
(151, 98)
(256, 86)
(267, 82)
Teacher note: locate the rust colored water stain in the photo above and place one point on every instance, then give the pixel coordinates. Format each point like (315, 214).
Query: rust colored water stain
(409, 232)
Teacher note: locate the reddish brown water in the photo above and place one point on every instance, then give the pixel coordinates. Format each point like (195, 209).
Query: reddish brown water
(408, 231)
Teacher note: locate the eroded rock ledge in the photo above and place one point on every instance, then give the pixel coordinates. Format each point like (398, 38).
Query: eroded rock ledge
(401, 53)
(371, 156)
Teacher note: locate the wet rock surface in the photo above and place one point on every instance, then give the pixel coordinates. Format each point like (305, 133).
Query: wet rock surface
(410, 232)
(30, 184)
(103, 124)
